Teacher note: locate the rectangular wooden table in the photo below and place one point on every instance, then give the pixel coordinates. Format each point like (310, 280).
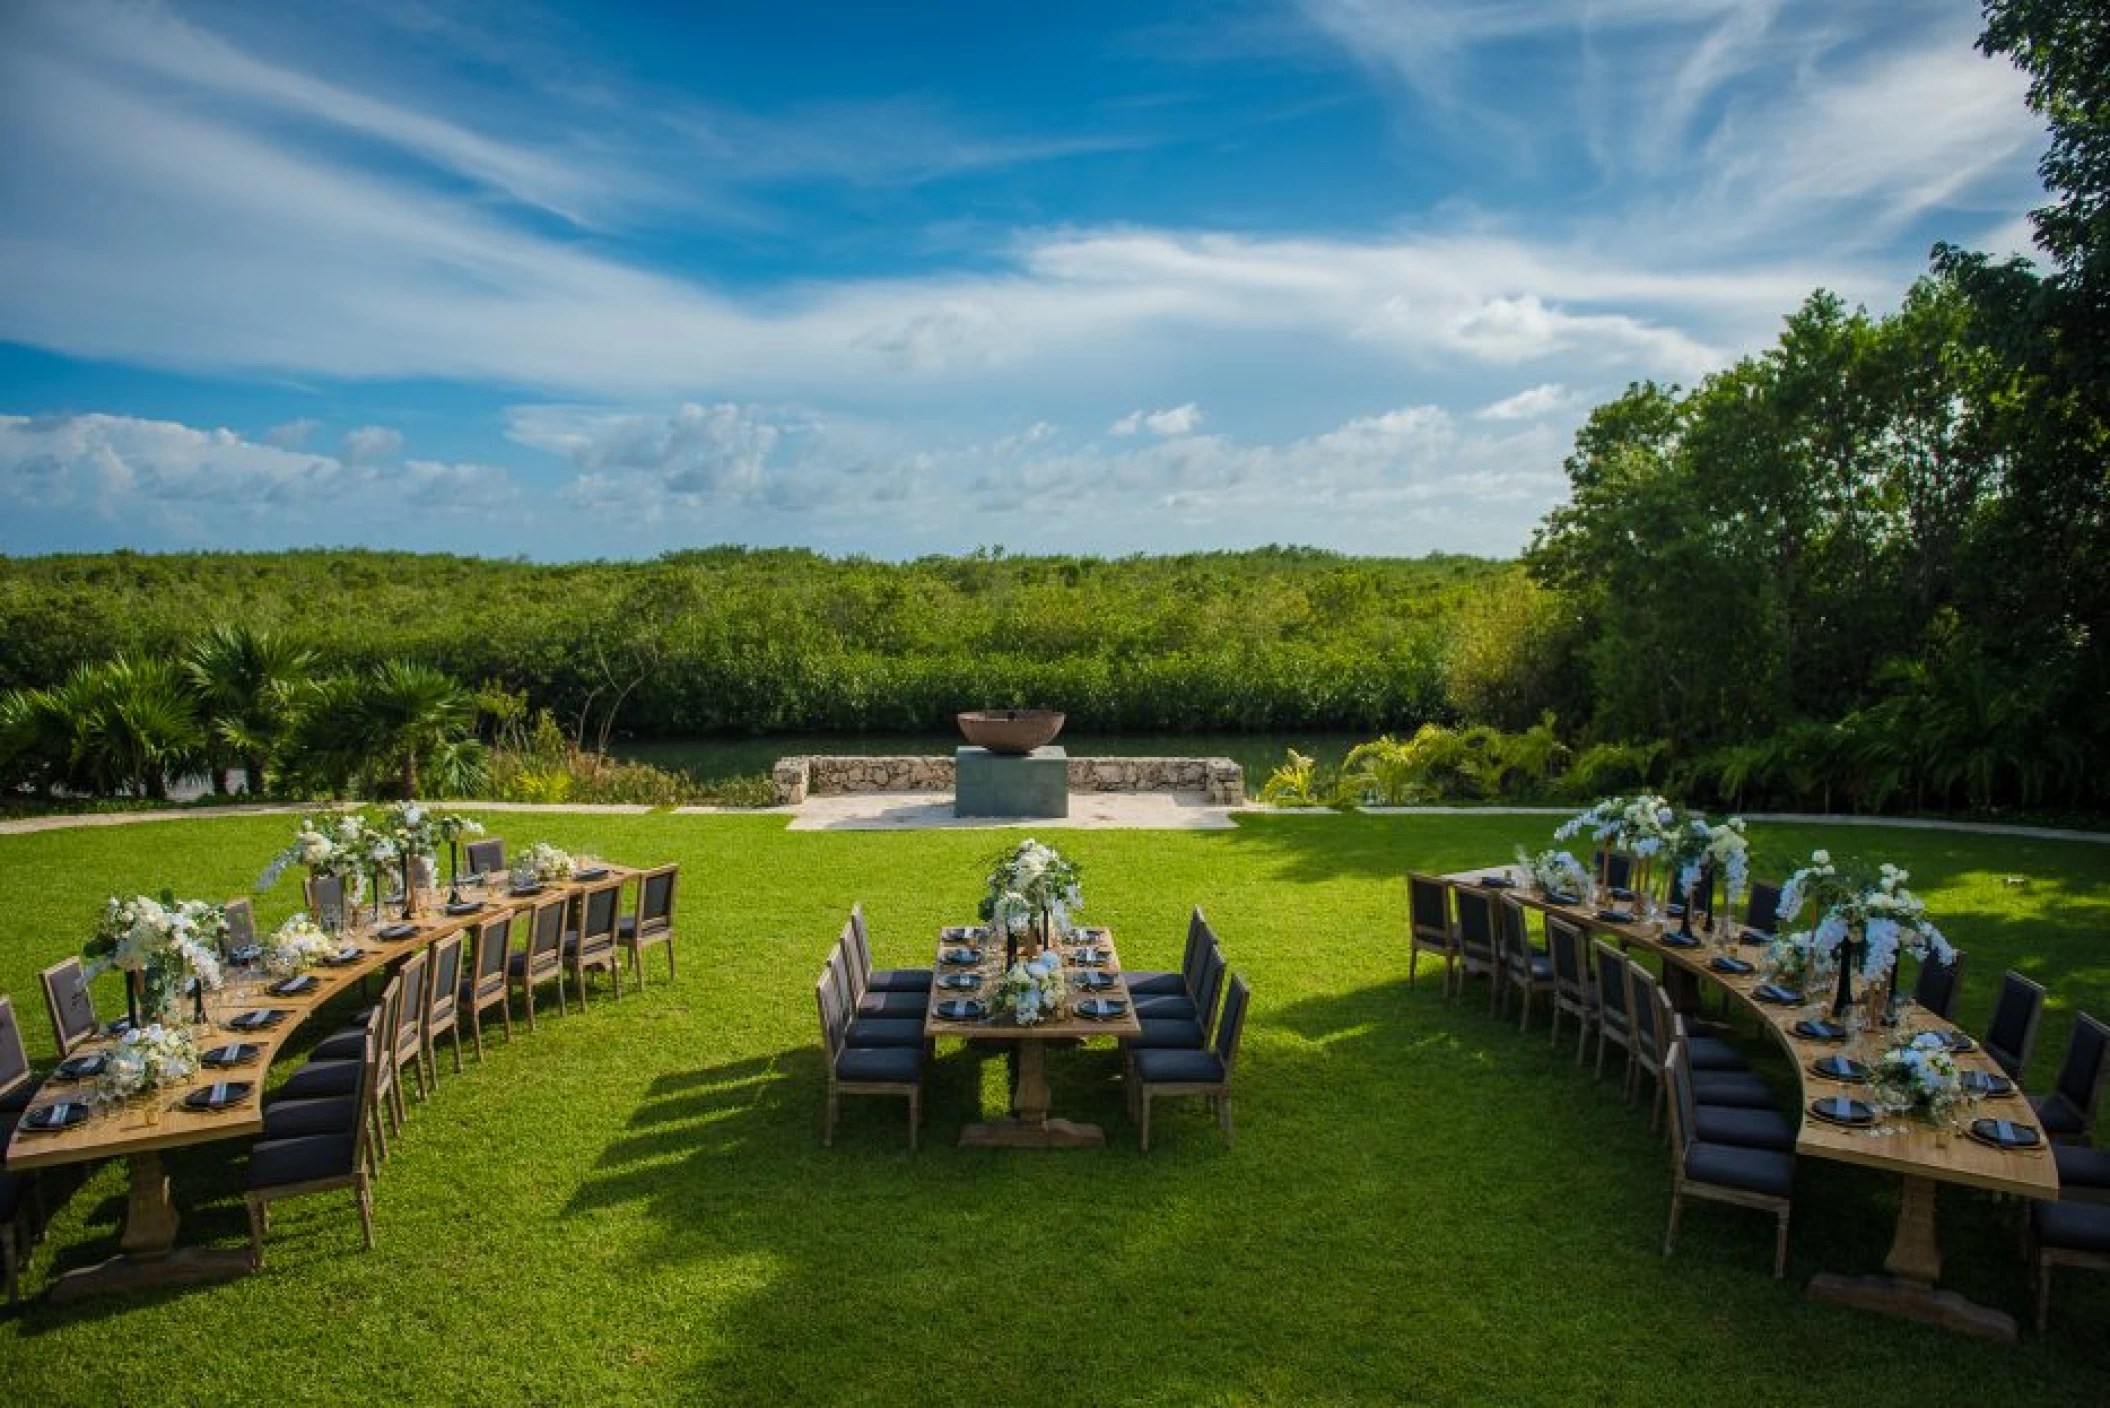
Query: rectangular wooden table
(139, 1130)
(1923, 1156)
(1030, 1126)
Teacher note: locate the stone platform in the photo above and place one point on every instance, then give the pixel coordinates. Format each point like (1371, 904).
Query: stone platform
(1012, 784)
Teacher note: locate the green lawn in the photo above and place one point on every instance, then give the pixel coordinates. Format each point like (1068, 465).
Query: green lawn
(633, 1206)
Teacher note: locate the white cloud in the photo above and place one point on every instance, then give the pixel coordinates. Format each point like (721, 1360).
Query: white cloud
(1529, 404)
(1178, 420)
(292, 434)
(371, 443)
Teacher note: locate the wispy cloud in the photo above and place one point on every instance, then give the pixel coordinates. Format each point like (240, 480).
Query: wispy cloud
(1177, 420)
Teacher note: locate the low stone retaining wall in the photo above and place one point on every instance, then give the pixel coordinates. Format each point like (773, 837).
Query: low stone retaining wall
(796, 779)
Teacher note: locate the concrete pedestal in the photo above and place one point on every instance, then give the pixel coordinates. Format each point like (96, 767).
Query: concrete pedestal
(1011, 784)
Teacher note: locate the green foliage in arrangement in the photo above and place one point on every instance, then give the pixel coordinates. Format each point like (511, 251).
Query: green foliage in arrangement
(637, 1194)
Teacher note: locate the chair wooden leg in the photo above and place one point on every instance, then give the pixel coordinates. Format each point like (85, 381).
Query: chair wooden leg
(505, 1013)
(2043, 1294)
(1780, 1248)
(915, 1117)
(365, 1198)
(1670, 1236)
(1223, 1116)
(476, 1030)
(1144, 1095)
(527, 993)
(828, 1125)
(256, 1232)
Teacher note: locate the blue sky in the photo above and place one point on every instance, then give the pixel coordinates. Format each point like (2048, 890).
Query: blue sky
(604, 279)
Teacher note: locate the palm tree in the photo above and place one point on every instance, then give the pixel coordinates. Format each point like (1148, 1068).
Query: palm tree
(135, 723)
(409, 715)
(36, 740)
(247, 681)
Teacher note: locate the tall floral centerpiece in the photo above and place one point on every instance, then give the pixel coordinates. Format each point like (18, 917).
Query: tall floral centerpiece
(1032, 990)
(1639, 825)
(410, 828)
(330, 848)
(1861, 924)
(1697, 851)
(158, 945)
(1032, 890)
(451, 828)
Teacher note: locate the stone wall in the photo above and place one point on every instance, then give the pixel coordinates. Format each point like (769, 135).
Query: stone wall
(797, 779)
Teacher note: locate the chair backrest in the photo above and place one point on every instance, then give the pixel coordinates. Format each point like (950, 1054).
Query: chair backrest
(2013, 1033)
(1200, 939)
(14, 1056)
(72, 1010)
(826, 997)
(2081, 1073)
(370, 1075)
(655, 900)
(1516, 936)
(1564, 943)
(1428, 909)
(1207, 991)
(546, 936)
(494, 941)
(410, 1020)
(1232, 1027)
(597, 912)
(1938, 984)
(241, 928)
(385, 1017)
(487, 854)
(856, 970)
(1679, 1075)
(843, 966)
(443, 989)
(325, 896)
(1762, 909)
(1476, 922)
(1611, 983)
(1644, 1011)
(1617, 868)
(857, 946)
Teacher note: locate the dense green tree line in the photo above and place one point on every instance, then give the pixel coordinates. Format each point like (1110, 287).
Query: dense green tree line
(736, 641)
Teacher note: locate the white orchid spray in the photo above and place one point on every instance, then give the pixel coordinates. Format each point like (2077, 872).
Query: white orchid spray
(165, 941)
(1888, 919)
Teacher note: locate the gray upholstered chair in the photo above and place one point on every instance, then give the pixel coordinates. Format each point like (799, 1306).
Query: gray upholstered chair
(592, 945)
(864, 1001)
(318, 1163)
(1178, 995)
(1184, 1033)
(1615, 1021)
(406, 1044)
(543, 958)
(2068, 1113)
(17, 1085)
(1479, 940)
(1748, 1126)
(650, 920)
(870, 979)
(486, 855)
(1726, 1173)
(1574, 985)
(1762, 909)
(1155, 1073)
(1429, 926)
(485, 985)
(887, 1030)
(1524, 968)
(2012, 1035)
(443, 1007)
(72, 1010)
(864, 1070)
(327, 901)
(2066, 1233)
(241, 929)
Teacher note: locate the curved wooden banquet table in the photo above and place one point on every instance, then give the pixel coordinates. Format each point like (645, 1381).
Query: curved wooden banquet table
(1922, 1156)
(139, 1130)
(1030, 1126)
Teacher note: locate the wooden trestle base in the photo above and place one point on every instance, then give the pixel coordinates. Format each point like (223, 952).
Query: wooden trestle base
(1905, 1299)
(151, 1258)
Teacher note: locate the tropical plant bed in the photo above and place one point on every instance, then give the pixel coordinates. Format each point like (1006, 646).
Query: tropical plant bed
(1408, 1172)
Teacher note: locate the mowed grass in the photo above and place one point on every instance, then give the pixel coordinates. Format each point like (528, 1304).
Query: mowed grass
(632, 1206)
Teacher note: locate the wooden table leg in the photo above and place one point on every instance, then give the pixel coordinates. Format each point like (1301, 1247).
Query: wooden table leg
(1029, 1126)
(151, 1257)
(1914, 1264)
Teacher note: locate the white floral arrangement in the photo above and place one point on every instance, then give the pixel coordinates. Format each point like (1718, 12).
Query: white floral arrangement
(1028, 882)
(1696, 844)
(1640, 825)
(410, 827)
(1034, 990)
(165, 941)
(1555, 872)
(326, 846)
(1917, 1072)
(146, 1058)
(452, 826)
(542, 861)
(295, 946)
(1888, 918)
(1793, 960)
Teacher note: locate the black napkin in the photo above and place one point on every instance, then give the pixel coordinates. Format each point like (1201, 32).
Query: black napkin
(1559, 898)
(2005, 1134)
(1096, 982)
(597, 873)
(1102, 1007)
(1840, 1110)
(1986, 1083)
(233, 1054)
(1775, 993)
(1616, 916)
(218, 1096)
(399, 931)
(1674, 939)
(1497, 882)
(288, 987)
(465, 907)
(80, 1067)
(961, 1009)
(1819, 1031)
(960, 982)
(1723, 963)
(961, 955)
(1841, 1068)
